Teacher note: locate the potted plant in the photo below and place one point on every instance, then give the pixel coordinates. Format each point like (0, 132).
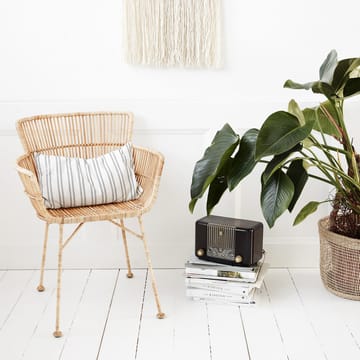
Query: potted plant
(296, 145)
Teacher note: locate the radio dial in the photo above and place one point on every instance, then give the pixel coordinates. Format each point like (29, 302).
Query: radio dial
(238, 259)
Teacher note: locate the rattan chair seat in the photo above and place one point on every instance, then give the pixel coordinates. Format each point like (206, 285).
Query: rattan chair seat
(96, 213)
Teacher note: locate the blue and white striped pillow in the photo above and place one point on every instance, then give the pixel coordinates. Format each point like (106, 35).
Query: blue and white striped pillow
(69, 182)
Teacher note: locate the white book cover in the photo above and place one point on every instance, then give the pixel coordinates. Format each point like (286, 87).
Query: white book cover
(196, 267)
(233, 281)
(219, 275)
(193, 260)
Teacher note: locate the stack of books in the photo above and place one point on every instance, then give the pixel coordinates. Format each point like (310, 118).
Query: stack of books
(210, 281)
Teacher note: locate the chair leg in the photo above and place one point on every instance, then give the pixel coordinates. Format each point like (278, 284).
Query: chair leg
(41, 284)
(57, 333)
(123, 232)
(160, 314)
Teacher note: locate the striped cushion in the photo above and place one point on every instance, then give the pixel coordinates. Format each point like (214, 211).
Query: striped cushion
(69, 182)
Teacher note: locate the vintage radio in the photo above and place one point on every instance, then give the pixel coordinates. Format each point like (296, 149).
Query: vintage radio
(228, 241)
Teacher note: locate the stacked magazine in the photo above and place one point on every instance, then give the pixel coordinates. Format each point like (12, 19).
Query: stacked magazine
(210, 281)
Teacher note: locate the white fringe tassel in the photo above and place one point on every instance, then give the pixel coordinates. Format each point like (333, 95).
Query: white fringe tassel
(173, 32)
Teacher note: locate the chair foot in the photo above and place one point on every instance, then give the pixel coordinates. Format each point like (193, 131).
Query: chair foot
(57, 333)
(41, 288)
(130, 275)
(160, 315)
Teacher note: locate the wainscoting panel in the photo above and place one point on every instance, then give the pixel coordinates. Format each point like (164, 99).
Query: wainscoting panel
(181, 130)
(169, 226)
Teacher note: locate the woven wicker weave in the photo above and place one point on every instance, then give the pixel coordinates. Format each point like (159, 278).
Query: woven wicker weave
(339, 262)
(87, 135)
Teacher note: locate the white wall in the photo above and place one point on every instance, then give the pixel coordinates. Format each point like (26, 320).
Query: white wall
(64, 56)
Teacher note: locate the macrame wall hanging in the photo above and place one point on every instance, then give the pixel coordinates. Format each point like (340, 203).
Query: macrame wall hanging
(173, 32)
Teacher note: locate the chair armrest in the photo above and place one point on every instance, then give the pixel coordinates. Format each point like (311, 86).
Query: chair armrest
(148, 169)
(26, 170)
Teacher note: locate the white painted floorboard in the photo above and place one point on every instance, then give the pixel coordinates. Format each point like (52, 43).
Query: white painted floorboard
(106, 316)
(123, 323)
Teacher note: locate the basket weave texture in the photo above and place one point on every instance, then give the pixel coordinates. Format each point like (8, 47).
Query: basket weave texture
(339, 262)
(85, 135)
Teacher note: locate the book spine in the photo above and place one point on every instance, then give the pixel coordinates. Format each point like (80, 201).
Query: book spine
(217, 266)
(225, 302)
(200, 293)
(234, 280)
(220, 273)
(215, 286)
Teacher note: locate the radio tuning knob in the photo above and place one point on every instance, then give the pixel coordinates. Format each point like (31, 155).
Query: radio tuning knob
(238, 259)
(200, 252)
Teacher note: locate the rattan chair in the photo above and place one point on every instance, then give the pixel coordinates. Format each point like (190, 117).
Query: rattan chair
(87, 135)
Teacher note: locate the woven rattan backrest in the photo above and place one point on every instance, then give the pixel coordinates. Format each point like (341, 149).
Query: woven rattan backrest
(78, 134)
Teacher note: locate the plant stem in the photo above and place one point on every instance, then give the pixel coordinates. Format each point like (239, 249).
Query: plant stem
(321, 166)
(330, 157)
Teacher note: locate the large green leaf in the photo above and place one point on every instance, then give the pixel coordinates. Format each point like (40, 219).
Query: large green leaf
(308, 209)
(294, 108)
(320, 87)
(294, 85)
(280, 132)
(244, 160)
(352, 87)
(277, 162)
(328, 66)
(215, 156)
(299, 176)
(218, 186)
(342, 72)
(276, 195)
(333, 76)
(321, 121)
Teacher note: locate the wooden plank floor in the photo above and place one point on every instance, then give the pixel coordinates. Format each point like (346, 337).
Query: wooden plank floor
(107, 316)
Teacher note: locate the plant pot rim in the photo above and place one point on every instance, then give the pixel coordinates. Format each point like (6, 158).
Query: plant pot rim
(339, 262)
(342, 240)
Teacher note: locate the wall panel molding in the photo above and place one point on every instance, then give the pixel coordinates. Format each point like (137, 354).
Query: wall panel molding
(181, 130)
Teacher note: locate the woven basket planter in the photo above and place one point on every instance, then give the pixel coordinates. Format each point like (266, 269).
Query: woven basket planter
(339, 262)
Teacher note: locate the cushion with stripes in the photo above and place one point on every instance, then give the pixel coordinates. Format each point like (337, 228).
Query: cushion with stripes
(70, 182)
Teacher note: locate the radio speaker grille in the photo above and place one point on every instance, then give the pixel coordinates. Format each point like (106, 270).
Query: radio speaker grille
(221, 241)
